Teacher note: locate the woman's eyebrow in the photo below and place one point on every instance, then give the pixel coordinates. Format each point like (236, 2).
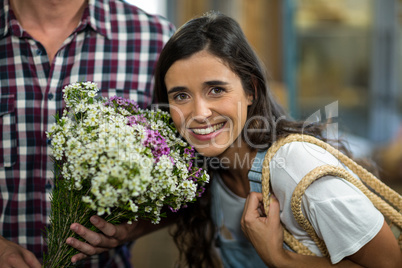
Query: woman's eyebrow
(207, 83)
(176, 89)
(215, 83)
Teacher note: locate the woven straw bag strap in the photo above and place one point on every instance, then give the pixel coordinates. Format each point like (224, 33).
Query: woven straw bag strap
(326, 170)
(387, 193)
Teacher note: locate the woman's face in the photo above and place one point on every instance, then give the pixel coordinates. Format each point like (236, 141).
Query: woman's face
(207, 102)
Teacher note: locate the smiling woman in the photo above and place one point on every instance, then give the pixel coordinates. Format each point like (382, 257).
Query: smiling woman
(217, 94)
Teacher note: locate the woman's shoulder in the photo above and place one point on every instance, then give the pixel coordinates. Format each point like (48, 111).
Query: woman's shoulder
(295, 160)
(301, 157)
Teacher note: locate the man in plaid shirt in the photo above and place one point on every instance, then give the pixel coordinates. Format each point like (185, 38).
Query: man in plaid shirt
(41, 51)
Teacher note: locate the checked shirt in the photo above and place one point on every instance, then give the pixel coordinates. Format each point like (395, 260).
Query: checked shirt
(116, 46)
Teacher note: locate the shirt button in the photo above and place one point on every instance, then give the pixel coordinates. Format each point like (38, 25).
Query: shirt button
(39, 52)
(50, 96)
(48, 186)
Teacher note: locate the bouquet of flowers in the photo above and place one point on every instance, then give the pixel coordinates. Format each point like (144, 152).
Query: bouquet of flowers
(115, 160)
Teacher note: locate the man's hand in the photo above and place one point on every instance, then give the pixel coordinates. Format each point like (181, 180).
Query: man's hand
(13, 255)
(110, 236)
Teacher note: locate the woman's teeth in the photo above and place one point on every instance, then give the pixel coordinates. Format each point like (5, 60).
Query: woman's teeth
(208, 130)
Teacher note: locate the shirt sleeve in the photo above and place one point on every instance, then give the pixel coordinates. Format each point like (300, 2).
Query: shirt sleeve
(339, 212)
(345, 223)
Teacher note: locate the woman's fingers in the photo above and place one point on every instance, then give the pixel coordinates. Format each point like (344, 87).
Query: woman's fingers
(274, 210)
(252, 205)
(251, 214)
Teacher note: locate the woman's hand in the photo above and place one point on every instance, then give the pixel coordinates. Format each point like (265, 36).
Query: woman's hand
(264, 232)
(266, 235)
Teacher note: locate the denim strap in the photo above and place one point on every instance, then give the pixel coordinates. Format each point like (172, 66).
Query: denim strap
(255, 173)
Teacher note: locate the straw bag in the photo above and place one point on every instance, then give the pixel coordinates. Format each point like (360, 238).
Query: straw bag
(386, 200)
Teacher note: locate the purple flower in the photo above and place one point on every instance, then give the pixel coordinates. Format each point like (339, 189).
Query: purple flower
(173, 210)
(156, 143)
(137, 120)
(189, 152)
(128, 104)
(201, 191)
(190, 165)
(120, 101)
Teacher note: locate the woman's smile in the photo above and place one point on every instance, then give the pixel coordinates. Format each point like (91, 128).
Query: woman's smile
(207, 130)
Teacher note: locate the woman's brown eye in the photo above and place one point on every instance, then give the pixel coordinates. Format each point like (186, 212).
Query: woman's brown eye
(181, 96)
(217, 90)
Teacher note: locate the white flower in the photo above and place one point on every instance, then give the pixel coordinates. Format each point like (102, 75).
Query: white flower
(86, 199)
(141, 200)
(133, 207)
(101, 211)
(92, 94)
(148, 209)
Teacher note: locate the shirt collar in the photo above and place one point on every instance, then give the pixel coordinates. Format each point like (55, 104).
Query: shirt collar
(4, 8)
(99, 17)
(96, 16)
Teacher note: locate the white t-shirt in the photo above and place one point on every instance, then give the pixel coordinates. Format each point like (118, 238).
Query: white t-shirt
(340, 213)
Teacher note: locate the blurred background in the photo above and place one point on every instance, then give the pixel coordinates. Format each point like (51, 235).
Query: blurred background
(339, 60)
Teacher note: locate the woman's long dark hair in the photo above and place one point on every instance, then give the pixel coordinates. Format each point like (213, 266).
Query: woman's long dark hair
(222, 37)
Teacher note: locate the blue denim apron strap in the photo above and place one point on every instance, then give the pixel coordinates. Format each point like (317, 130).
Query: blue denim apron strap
(255, 173)
(254, 176)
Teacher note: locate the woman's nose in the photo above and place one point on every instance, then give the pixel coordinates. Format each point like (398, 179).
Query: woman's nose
(201, 111)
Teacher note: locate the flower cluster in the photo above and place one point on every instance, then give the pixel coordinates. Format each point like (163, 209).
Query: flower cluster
(126, 157)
